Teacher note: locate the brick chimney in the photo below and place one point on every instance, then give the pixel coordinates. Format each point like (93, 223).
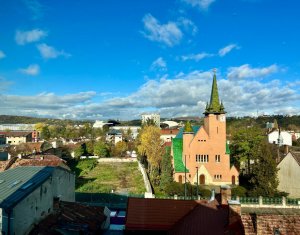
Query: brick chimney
(225, 192)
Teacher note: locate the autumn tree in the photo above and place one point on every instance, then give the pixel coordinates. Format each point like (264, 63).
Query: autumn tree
(150, 146)
(120, 149)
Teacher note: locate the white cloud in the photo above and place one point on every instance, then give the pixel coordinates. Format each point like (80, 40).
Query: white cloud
(201, 4)
(24, 37)
(169, 33)
(159, 64)
(2, 55)
(33, 69)
(181, 95)
(35, 8)
(48, 52)
(245, 71)
(196, 57)
(188, 25)
(225, 50)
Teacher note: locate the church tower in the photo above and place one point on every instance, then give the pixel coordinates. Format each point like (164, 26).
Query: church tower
(215, 119)
(201, 154)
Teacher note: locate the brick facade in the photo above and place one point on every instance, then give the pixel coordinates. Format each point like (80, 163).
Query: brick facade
(267, 224)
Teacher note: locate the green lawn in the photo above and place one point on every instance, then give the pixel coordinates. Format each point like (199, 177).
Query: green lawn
(95, 177)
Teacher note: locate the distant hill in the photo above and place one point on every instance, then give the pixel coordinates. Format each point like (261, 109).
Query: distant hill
(9, 119)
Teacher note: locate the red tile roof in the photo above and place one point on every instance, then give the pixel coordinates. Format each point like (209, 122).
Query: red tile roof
(41, 160)
(15, 133)
(71, 216)
(169, 131)
(156, 214)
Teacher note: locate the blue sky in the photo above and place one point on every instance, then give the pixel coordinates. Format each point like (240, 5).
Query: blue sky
(117, 59)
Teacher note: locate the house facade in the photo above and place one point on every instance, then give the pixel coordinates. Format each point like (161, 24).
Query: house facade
(27, 196)
(17, 137)
(289, 174)
(280, 137)
(201, 154)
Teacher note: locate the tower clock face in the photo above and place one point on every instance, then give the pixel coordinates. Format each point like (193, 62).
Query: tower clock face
(222, 118)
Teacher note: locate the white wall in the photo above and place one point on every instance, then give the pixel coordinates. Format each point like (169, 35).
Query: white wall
(39, 203)
(284, 135)
(289, 176)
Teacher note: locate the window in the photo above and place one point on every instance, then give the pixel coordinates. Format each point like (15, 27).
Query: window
(217, 177)
(218, 158)
(202, 158)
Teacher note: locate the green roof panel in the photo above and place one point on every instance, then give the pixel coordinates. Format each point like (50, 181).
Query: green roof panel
(177, 155)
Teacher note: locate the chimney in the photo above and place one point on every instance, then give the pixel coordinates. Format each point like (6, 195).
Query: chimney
(234, 212)
(225, 192)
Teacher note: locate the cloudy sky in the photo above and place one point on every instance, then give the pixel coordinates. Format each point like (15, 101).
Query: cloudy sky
(120, 58)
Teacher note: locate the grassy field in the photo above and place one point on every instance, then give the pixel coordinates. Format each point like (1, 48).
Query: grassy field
(95, 177)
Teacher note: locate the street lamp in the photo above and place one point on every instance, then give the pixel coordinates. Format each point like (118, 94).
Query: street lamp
(197, 181)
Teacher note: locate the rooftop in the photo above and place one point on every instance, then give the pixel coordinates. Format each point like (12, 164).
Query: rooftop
(17, 183)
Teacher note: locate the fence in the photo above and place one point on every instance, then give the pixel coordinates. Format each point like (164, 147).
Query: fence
(276, 202)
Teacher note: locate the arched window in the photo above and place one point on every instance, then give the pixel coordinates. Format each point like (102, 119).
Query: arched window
(233, 180)
(202, 179)
(180, 179)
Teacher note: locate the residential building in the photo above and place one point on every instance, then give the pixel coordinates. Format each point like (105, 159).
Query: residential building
(280, 137)
(201, 154)
(17, 137)
(168, 134)
(134, 130)
(27, 195)
(289, 174)
(114, 136)
(155, 117)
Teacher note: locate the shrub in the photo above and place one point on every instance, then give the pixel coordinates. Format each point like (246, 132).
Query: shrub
(238, 191)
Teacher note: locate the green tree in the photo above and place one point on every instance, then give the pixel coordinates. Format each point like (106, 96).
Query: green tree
(166, 169)
(263, 178)
(244, 147)
(78, 151)
(101, 149)
(45, 133)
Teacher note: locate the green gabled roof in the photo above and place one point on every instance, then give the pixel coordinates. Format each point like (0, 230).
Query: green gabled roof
(214, 105)
(227, 148)
(181, 130)
(177, 146)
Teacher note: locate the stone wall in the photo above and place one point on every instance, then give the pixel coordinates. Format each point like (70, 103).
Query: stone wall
(268, 224)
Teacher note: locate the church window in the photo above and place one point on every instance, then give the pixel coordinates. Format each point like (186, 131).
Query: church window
(218, 158)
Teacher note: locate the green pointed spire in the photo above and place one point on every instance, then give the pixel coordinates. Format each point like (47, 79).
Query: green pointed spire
(188, 127)
(214, 105)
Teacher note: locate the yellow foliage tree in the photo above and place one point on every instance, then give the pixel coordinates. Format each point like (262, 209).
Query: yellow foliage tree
(150, 145)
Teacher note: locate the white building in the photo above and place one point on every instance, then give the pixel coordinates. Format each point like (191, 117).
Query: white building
(151, 116)
(134, 130)
(101, 124)
(284, 138)
(289, 174)
(27, 195)
(17, 127)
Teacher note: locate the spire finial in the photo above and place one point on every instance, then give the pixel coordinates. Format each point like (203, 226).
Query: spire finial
(214, 71)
